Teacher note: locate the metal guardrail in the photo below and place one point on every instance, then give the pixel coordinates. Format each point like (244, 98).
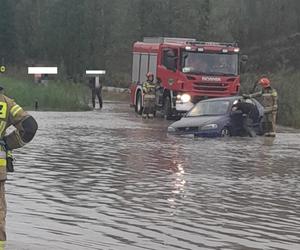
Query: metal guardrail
(115, 89)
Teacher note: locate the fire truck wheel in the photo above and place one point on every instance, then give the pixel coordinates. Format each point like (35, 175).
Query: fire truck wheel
(167, 108)
(139, 104)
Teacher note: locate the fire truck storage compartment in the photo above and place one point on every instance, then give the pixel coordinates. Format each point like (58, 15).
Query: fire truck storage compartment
(142, 64)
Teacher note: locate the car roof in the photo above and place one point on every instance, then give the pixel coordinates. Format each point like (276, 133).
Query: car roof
(231, 99)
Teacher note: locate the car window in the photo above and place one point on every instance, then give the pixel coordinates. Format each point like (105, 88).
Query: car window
(210, 108)
(169, 58)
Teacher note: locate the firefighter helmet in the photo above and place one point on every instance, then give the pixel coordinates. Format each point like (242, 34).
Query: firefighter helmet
(264, 82)
(149, 74)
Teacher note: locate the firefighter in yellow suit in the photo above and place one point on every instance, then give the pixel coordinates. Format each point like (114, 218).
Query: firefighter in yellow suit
(269, 102)
(25, 129)
(149, 88)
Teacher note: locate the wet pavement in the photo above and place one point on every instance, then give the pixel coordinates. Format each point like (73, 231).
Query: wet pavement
(109, 180)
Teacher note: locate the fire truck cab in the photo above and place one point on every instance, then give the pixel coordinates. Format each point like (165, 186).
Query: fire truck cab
(185, 70)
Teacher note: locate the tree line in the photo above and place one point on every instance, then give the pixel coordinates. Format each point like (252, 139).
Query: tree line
(75, 35)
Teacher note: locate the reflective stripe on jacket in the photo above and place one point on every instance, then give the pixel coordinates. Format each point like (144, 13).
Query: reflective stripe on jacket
(149, 88)
(269, 99)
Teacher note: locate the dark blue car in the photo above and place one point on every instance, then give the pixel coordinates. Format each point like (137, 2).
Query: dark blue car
(216, 117)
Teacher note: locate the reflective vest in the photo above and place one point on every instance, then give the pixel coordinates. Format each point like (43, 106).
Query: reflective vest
(149, 88)
(269, 100)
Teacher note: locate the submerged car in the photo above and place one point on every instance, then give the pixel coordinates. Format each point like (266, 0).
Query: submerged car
(217, 117)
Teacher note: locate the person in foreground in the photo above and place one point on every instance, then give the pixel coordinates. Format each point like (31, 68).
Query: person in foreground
(25, 129)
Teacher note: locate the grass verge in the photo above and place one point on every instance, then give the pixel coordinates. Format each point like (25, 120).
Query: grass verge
(52, 96)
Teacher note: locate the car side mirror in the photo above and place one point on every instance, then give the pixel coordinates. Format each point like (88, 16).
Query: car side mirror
(244, 58)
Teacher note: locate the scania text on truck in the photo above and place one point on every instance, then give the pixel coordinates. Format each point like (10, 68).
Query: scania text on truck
(186, 71)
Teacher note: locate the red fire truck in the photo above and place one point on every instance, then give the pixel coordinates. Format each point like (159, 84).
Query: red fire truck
(186, 71)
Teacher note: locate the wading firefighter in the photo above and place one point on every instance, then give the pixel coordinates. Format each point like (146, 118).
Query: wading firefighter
(149, 88)
(269, 101)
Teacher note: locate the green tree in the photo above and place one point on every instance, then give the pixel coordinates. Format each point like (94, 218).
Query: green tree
(7, 31)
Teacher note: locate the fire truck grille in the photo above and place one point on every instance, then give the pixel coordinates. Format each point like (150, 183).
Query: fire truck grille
(210, 86)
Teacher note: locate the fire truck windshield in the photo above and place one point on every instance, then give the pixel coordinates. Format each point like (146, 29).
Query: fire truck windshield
(209, 63)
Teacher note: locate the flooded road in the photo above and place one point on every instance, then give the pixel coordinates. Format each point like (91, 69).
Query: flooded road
(109, 180)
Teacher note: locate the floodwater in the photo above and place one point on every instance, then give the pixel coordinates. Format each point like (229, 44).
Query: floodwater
(109, 180)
